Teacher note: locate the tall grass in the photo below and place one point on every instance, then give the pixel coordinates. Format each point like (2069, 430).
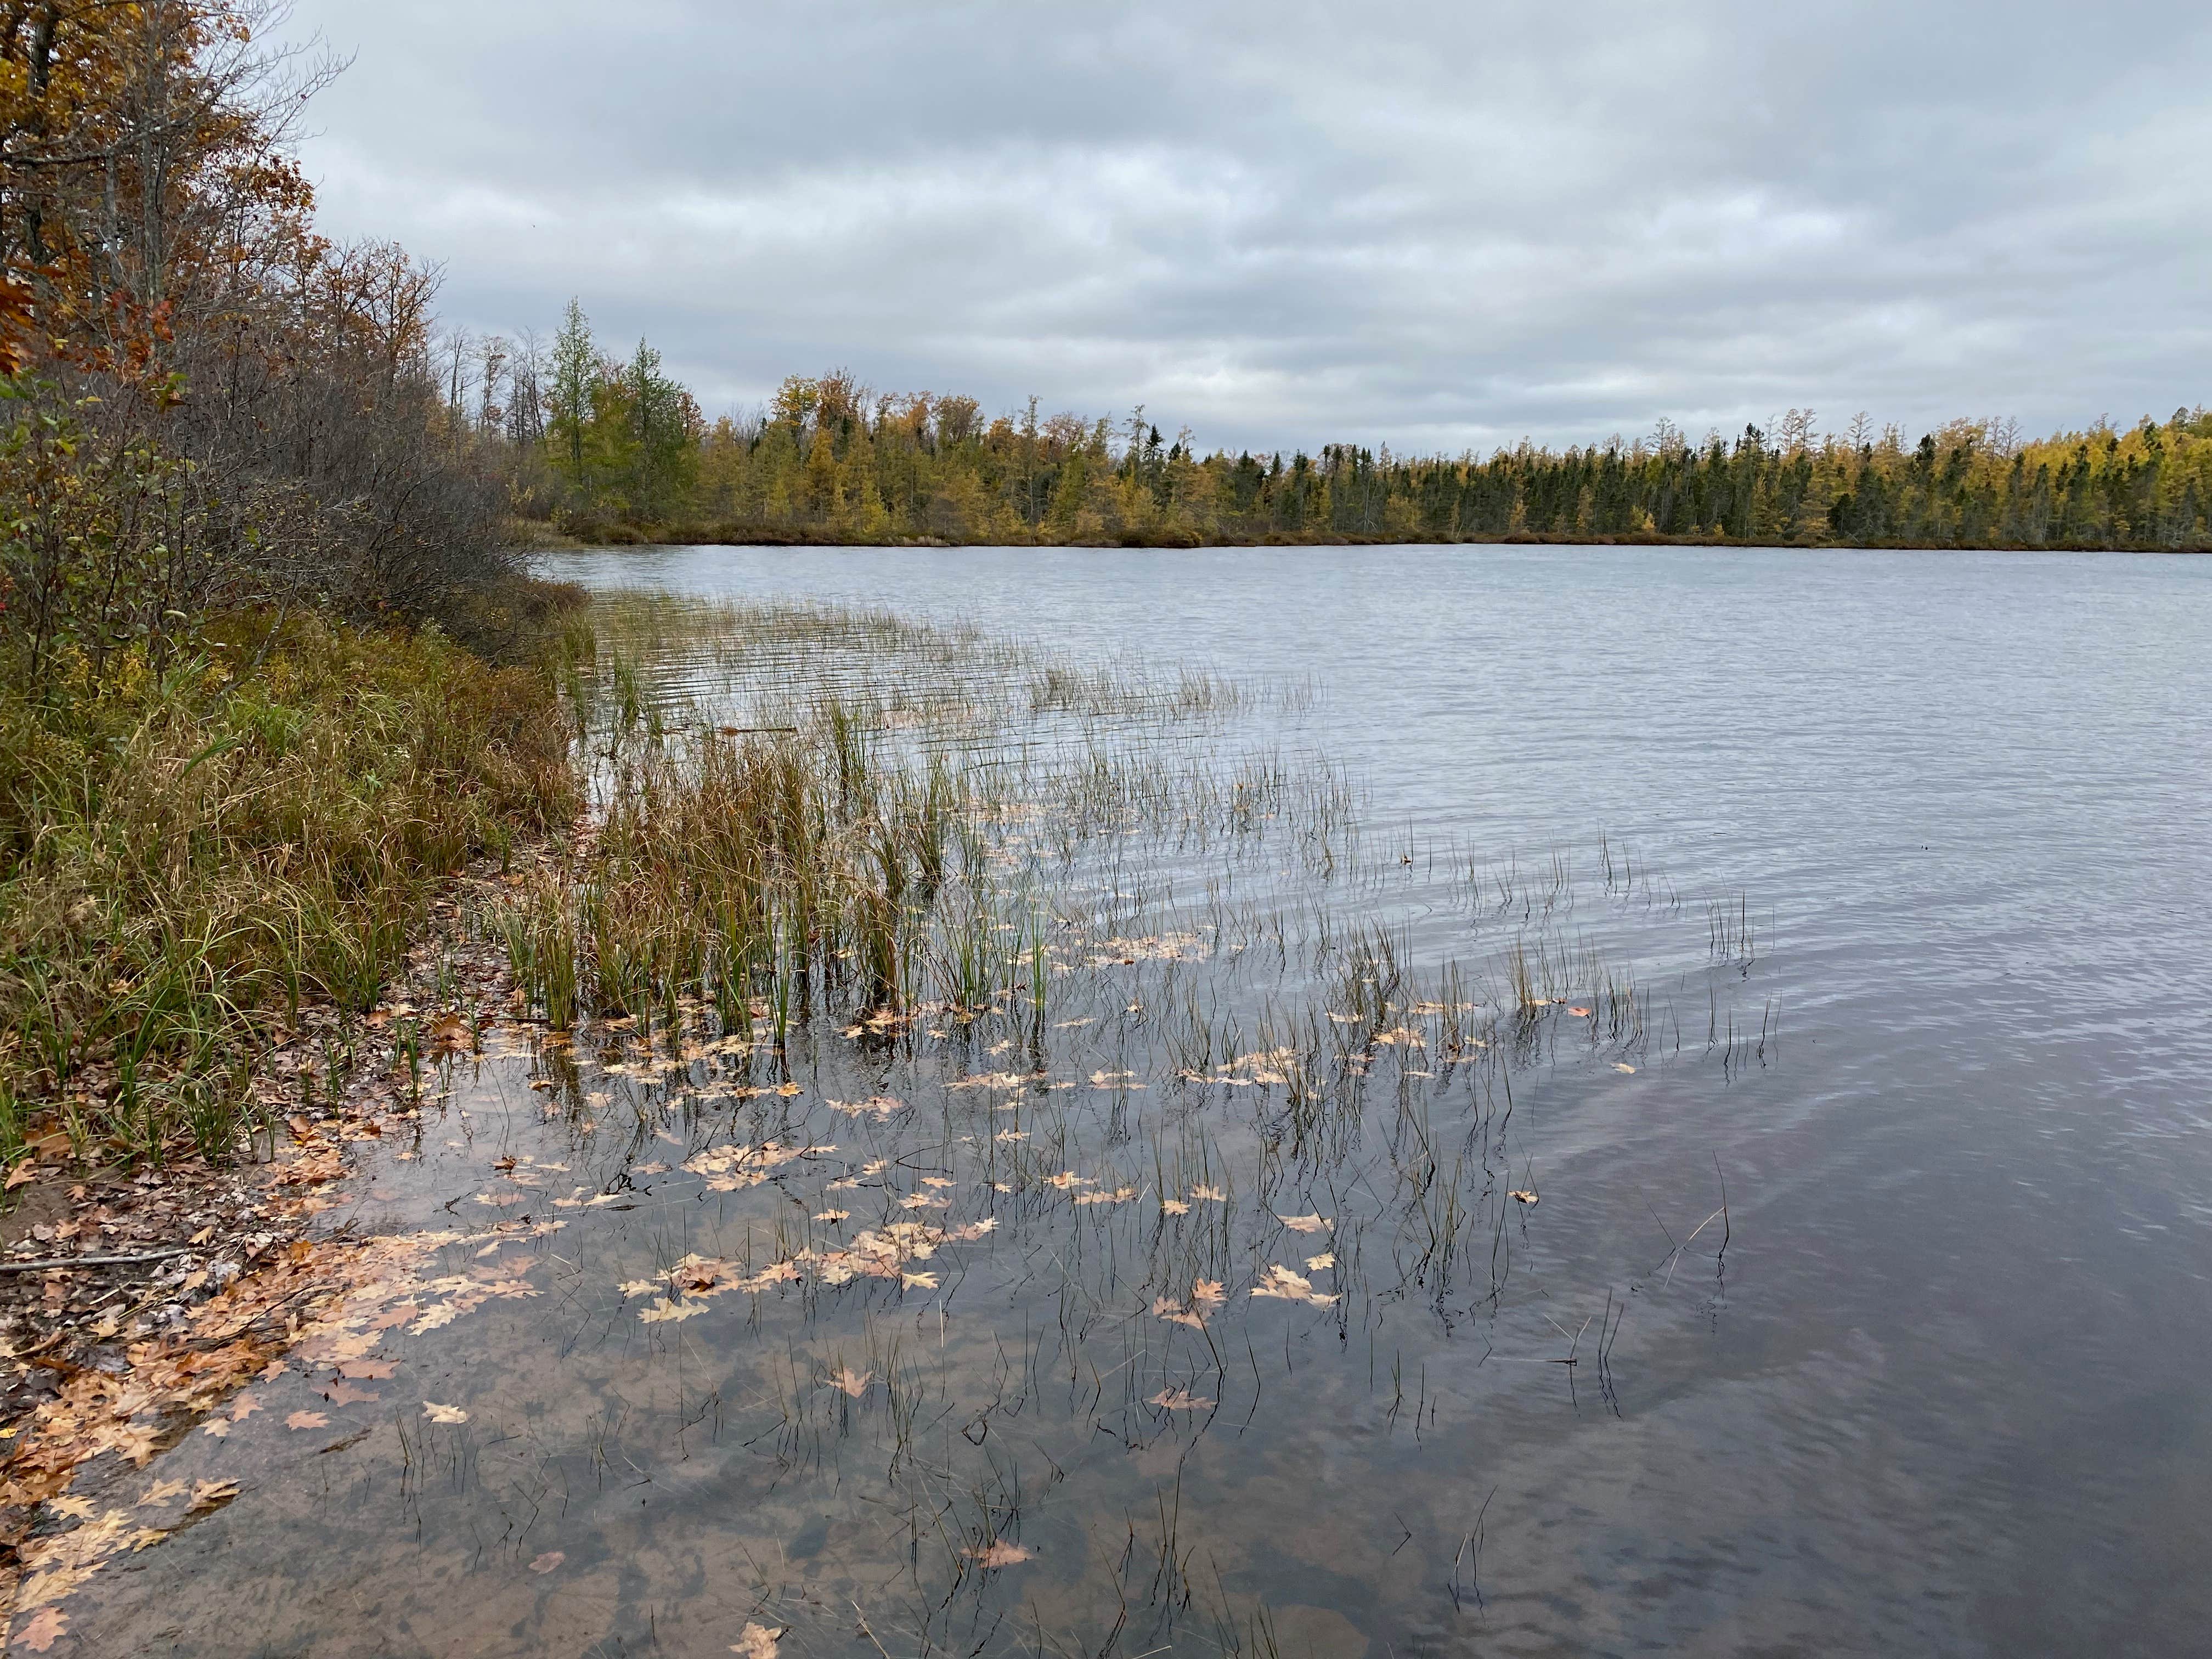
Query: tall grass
(187, 857)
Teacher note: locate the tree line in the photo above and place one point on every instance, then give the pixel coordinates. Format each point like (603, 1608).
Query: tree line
(608, 447)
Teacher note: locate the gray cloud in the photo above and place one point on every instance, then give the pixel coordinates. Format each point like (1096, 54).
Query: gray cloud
(1436, 225)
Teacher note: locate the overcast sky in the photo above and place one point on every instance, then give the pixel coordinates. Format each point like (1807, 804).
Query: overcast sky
(1438, 225)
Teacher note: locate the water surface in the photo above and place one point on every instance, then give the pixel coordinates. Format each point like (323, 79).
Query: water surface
(1943, 1391)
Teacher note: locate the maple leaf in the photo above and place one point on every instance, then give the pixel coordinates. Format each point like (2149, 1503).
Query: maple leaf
(1179, 1400)
(548, 1561)
(438, 1413)
(1305, 1224)
(756, 1642)
(46, 1626)
(307, 1420)
(1000, 1554)
(843, 1378)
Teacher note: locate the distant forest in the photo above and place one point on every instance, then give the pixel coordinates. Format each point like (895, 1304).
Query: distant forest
(607, 447)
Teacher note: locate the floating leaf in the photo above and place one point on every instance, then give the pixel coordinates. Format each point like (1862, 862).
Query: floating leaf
(306, 1420)
(1520, 1197)
(1000, 1554)
(756, 1642)
(1316, 1263)
(548, 1561)
(918, 1281)
(844, 1379)
(1212, 1194)
(46, 1626)
(1305, 1224)
(667, 1309)
(1179, 1400)
(212, 1495)
(438, 1413)
(1624, 1068)
(1174, 1207)
(1579, 1013)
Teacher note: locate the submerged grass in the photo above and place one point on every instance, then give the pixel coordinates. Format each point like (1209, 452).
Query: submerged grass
(188, 856)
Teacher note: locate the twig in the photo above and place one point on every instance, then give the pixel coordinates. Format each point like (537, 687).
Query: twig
(93, 1261)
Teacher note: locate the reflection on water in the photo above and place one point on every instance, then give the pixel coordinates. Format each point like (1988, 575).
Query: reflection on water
(1812, 953)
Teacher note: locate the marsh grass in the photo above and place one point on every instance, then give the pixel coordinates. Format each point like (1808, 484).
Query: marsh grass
(190, 857)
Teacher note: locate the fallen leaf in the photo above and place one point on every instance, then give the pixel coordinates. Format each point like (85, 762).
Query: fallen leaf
(843, 1378)
(1174, 1207)
(162, 1490)
(219, 1429)
(832, 1215)
(1000, 1554)
(1212, 1194)
(918, 1281)
(1179, 1400)
(1305, 1224)
(756, 1642)
(344, 1393)
(787, 1090)
(78, 1508)
(46, 1625)
(307, 1420)
(667, 1310)
(1522, 1197)
(1624, 1068)
(1579, 1013)
(22, 1174)
(244, 1406)
(548, 1561)
(438, 1413)
(1316, 1263)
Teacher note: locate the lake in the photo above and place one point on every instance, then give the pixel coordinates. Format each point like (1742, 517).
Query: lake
(1875, 1227)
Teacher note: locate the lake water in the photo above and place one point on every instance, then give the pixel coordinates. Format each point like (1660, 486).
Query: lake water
(1944, 1389)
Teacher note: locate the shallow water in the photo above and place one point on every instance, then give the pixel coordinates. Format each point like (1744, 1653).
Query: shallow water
(1942, 1391)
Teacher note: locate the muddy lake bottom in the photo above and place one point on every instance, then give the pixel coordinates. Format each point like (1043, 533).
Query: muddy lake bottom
(1859, 1307)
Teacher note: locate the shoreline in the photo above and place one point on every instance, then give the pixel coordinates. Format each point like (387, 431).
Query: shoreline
(544, 538)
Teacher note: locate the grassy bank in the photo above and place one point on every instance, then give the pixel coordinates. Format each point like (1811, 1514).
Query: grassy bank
(190, 855)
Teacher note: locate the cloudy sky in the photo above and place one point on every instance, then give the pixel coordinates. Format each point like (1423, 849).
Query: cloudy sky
(1438, 225)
